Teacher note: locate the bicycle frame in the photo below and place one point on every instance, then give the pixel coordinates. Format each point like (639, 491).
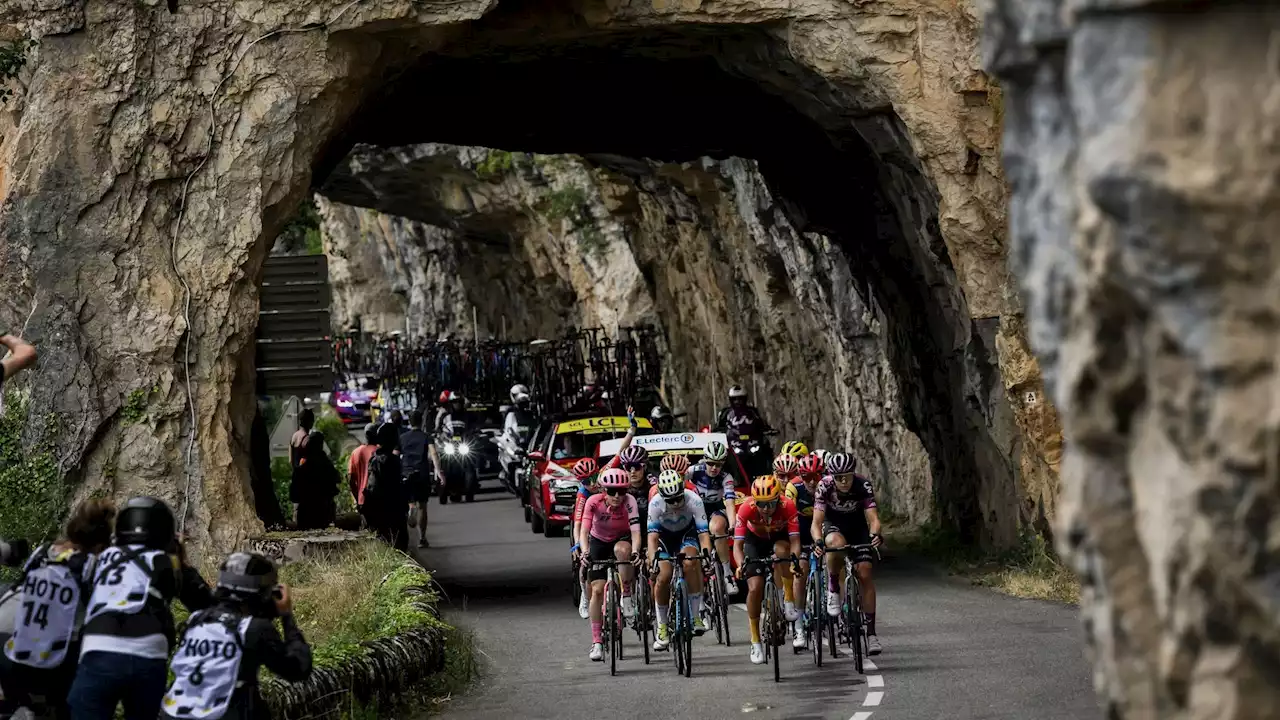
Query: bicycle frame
(852, 615)
(773, 622)
(613, 620)
(682, 621)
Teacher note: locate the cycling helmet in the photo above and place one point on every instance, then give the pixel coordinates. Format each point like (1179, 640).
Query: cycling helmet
(795, 449)
(585, 468)
(840, 463)
(146, 521)
(822, 454)
(670, 484)
(518, 392)
(371, 433)
(247, 576)
(810, 465)
(615, 478)
(715, 452)
(785, 465)
(675, 461)
(766, 488)
(444, 397)
(737, 393)
(633, 455)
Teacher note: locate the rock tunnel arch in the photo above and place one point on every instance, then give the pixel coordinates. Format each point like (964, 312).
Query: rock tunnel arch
(229, 147)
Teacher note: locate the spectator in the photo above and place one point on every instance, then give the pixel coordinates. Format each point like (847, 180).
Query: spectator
(314, 485)
(20, 356)
(358, 465)
(385, 502)
(420, 463)
(297, 443)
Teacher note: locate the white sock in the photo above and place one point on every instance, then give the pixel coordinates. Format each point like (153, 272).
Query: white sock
(695, 604)
(728, 571)
(663, 611)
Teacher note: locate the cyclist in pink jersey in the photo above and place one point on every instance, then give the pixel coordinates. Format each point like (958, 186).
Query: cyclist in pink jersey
(610, 530)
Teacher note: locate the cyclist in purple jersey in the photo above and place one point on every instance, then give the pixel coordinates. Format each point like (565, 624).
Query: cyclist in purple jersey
(844, 513)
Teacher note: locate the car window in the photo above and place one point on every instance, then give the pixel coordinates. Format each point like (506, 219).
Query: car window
(573, 445)
(536, 440)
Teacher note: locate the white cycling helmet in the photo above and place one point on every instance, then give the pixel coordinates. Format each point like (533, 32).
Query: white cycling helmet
(670, 484)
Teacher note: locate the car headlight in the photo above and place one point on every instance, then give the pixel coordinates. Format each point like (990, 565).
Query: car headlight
(346, 404)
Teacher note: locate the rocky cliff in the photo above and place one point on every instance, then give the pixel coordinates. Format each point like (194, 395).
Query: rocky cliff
(148, 158)
(1139, 144)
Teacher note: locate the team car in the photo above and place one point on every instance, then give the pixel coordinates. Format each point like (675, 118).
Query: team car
(551, 489)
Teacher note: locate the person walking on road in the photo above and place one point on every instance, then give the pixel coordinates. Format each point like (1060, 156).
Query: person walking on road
(420, 464)
(358, 466)
(314, 485)
(385, 502)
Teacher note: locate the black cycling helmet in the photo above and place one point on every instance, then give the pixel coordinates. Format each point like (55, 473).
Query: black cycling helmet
(247, 576)
(371, 433)
(146, 521)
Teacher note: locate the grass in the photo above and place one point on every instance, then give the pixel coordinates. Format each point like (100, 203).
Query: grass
(1029, 570)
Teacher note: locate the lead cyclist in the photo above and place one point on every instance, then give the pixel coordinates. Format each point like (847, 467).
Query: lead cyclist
(715, 486)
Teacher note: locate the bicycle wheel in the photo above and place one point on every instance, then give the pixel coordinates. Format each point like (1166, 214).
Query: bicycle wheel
(611, 625)
(644, 612)
(676, 628)
(816, 615)
(686, 632)
(722, 605)
(779, 631)
(853, 618)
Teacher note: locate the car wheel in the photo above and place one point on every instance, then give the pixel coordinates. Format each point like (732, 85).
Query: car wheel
(552, 531)
(528, 514)
(538, 525)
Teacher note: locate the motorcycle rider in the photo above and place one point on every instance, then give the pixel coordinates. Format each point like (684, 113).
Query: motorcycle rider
(746, 429)
(515, 431)
(458, 422)
(442, 409)
(216, 666)
(662, 419)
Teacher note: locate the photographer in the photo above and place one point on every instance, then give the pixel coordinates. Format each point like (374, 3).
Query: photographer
(215, 667)
(128, 630)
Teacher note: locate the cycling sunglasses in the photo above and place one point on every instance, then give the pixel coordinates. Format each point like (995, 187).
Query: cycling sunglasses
(712, 465)
(766, 504)
(632, 466)
(843, 478)
(615, 492)
(677, 500)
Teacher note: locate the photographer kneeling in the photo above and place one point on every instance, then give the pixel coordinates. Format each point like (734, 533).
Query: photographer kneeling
(215, 666)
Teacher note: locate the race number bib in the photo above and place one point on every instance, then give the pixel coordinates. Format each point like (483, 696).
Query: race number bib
(46, 617)
(206, 667)
(121, 584)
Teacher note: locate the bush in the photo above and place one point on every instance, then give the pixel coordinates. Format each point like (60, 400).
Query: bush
(33, 496)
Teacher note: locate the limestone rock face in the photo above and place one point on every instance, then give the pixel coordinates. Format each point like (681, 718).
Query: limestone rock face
(149, 158)
(1138, 142)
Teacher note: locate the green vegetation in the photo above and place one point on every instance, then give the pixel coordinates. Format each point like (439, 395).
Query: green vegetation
(135, 407)
(301, 235)
(336, 437)
(1031, 569)
(33, 496)
(13, 57)
(572, 204)
(495, 164)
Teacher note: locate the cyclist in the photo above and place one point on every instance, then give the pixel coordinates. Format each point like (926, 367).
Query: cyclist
(796, 449)
(586, 471)
(767, 525)
(844, 512)
(785, 467)
(610, 529)
(674, 461)
(634, 460)
(677, 524)
(715, 486)
(800, 490)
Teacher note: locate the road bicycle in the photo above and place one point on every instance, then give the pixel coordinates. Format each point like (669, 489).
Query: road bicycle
(852, 621)
(681, 628)
(773, 618)
(716, 598)
(816, 625)
(614, 622)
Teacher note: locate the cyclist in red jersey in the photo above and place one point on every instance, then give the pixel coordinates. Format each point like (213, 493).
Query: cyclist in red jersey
(767, 524)
(801, 490)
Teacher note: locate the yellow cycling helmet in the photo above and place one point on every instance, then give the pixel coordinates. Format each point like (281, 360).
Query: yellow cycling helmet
(766, 488)
(795, 449)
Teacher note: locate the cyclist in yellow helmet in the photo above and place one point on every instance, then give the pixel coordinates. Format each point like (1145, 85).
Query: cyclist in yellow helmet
(767, 525)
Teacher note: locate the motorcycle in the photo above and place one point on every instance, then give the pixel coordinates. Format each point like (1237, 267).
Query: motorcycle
(457, 452)
(756, 454)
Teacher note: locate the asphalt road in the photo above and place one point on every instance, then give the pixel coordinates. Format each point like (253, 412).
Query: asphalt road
(951, 650)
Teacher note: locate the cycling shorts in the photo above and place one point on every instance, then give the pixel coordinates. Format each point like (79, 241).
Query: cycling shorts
(601, 550)
(756, 547)
(854, 530)
(716, 508)
(672, 542)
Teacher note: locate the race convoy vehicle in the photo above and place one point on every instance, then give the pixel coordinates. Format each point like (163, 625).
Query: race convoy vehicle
(550, 486)
(681, 443)
(353, 400)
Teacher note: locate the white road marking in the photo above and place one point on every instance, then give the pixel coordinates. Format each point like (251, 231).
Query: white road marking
(873, 699)
(869, 665)
(875, 681)
(862, 715)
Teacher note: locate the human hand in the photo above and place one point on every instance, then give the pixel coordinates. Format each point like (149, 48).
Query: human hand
(284, 599)
(876, 540)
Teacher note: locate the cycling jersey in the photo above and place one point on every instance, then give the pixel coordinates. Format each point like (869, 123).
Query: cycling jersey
(750, 520)
(606, 523)
(712, 488)
(799, 493)
(831, 501)
(665, 517)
